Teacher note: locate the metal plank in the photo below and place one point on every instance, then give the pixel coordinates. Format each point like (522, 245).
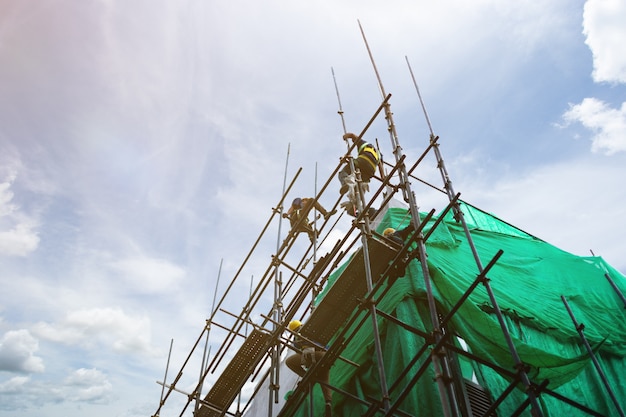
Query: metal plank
(235, 375)
(342, 298)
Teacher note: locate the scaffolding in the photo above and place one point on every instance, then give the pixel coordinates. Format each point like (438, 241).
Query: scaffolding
(337, 296)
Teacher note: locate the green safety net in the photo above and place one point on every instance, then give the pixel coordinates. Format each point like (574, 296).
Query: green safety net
(528, 282)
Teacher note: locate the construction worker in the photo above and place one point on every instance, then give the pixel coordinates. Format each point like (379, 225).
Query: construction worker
(366, 162)
(398, 236)
(305, 357)
(300, 207)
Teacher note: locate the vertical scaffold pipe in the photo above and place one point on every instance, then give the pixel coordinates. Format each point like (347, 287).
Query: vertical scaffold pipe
(605, 382)
(167, 367)
(365, 231)
(612, 283)
(460, 217)
(410, 198)
(314, 292)
(207, 348)
(359, 196)
(274, 383)
(340, 111)
(315, 218)
(239, 413)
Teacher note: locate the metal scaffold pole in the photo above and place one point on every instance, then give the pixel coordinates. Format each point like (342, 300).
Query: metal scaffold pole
(460, 218)
(363, 222)
(580, 329)
(278, 310)
(207, 348)
(613, 285)
(410, 198)
(167, 366)
(239, 412)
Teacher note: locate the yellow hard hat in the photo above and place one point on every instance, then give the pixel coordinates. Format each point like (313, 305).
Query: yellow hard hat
(388, 231)
(294, 325)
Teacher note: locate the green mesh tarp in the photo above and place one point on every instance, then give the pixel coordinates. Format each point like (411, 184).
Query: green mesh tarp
(528, 282)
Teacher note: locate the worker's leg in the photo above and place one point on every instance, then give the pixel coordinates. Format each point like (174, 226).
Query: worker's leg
(343, 178)
(305, 226)
(323, 374)
(367, 172)
(312, 235)
(294, 362)
(312, 203)
(320, 208)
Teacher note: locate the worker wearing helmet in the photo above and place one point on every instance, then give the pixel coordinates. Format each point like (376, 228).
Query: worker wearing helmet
(305, 357)
(294, 325)
(398, 236)
(300, 207)
(366, 162)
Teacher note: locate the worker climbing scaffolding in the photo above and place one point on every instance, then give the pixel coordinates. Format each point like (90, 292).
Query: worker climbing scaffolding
(398, 236)
(364, 165)
(298, 214)
(306, 357)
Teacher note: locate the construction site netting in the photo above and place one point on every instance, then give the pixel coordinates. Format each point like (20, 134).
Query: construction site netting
(528, 281)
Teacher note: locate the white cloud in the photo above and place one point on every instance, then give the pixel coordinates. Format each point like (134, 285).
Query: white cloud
(6, 196)
(80, 386)
(18, 231)
(17, 352)
(608, 125)
(101, 328)
(149, 275)
(20, 240)
(87, 385)
(14, 385)
(605, 30)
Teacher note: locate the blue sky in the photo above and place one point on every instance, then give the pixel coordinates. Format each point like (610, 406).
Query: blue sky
(144, 144)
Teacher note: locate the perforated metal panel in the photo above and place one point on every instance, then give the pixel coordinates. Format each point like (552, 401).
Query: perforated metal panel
(232, 379)
(342, 298)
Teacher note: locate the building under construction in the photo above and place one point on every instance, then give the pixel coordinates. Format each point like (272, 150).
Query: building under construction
(467, 315)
